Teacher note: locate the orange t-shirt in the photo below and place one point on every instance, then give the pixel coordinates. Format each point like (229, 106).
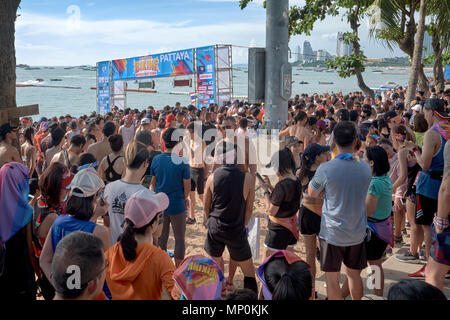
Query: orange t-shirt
(143, 278)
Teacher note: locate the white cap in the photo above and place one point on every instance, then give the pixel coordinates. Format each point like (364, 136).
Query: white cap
(417, 107)
(88, 182)
(145, 121)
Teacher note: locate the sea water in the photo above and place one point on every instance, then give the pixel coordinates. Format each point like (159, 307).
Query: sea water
(77, 102)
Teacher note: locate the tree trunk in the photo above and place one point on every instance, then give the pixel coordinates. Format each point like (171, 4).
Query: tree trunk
(406, 44)
(438, 73)
(8, 12)
(357, 50)
(416, 64)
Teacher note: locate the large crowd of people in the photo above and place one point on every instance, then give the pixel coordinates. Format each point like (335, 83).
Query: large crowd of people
(87, 203)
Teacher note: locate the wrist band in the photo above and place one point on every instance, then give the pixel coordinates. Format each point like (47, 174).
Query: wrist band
(440, 223)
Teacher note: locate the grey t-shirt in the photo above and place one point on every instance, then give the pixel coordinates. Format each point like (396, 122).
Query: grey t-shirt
(344, 217)
(116, 194)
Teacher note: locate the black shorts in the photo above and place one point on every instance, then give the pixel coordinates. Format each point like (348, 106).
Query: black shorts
(198, 180)
(375, 247)
(309, 222)
(278, 237)
(331, 257)
(236, 243)
(425, 210)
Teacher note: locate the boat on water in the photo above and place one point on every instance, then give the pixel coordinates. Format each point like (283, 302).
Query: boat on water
(303, 82)
(387, 86)
(330, 71)
(377, 70)
(32, 68)
(39, 80)
(326, 82)
(55, 79)
(22, 66)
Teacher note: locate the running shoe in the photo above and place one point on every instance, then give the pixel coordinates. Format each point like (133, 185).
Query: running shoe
(422, 255)
(191, 221)
(418, 274)
(407, 257)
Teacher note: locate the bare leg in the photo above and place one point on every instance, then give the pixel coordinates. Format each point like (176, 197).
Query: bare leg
(231, 272)
(398, 218)
(345, 291)
(333, 288)
(355, 283)
(192, 205)
(416, 232)
(378, 291)
(427, 239)
(220, 262)
(310, 247)
(435, 273)
(247, 267)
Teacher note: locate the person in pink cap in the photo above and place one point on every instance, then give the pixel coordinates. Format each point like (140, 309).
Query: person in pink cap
(138, 269)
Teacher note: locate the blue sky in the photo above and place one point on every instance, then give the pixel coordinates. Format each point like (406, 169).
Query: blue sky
(75, 32)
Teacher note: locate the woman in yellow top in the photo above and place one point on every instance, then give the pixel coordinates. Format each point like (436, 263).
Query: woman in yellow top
(138, 269)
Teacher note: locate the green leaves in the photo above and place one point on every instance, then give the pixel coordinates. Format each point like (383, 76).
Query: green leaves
(347, 66)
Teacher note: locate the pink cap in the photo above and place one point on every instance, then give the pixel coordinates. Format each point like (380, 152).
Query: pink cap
(144, 205)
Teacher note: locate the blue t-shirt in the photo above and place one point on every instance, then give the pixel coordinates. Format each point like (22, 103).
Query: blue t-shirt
(66, 224)
(345, 184)
(170, 170)
(381, 188)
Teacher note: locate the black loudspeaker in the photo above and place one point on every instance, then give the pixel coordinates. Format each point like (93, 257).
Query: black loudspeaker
(256, 74)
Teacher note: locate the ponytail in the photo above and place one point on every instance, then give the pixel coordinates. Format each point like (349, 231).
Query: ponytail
(305, 166)
(128, 242)
(135, 154)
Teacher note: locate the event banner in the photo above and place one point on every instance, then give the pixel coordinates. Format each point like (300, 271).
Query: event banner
(176, 63)
(103, 87)
(206, 82)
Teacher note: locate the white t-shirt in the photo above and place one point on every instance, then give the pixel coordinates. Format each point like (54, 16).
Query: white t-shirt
(116, 194)
(127, 135)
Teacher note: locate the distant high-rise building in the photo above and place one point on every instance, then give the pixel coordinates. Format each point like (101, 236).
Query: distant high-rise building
(308, 53)
(343, 49)
(298, 54)
(427, 45)
(323, 55)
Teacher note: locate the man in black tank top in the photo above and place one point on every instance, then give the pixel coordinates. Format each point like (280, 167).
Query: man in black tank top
(228, 205)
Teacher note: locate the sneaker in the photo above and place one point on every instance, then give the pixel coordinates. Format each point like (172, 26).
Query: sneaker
(418, 274)
(191, 221)
(407, 257)
(398, 240)
(422, 255)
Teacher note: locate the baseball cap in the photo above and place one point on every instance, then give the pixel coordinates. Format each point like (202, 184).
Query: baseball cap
(199, 278)
(390, 115)
(43, 119)
(44, 126)
(169, 119)
(144, 205)
(290, 141)
(417, 107)
(145, 121)
(437, 105)
(321, 124)
(7, 128)
(66, 179)
(88, 182)
(314, 149)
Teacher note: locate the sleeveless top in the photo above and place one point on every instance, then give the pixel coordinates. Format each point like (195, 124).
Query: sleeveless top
(110, 173)
(67, 224)
(427, 184)
(228, 203)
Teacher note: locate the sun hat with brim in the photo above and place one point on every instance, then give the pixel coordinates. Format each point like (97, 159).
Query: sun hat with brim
(437, 106)
(88, 182)
(290, 141)
(144, 205)
(199, 278)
